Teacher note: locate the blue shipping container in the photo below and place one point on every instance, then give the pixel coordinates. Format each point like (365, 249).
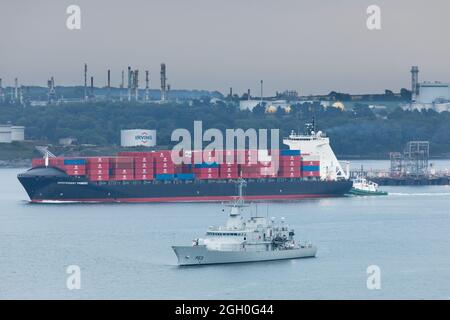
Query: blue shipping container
(311, 168)
(164, 176)
(185, 176)
(290, 152)
(207, 165)
(74, 162)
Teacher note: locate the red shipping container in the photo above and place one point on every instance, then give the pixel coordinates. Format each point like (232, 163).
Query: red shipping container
(142, 159)
(228, 166)
(143, 171)
(311, 174)
(123, 177)
(290, 169)
(289, 175)
(311, 163)
(267, 171)
(143, 165)
(143, 177)
(228, 169)
(229, 175)
(123, 171)
(98, 177)
(75, 167)
(206, 170)
(76, 172)
(38, 162)
(98, 172)
(97, 160)
(207, 176)
(99, 165)
(165, 170)
(123, 160)
(164, 164)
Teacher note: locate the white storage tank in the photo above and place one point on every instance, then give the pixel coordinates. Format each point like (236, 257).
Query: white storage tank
(5, 134)
(138, 138)
(17, 133)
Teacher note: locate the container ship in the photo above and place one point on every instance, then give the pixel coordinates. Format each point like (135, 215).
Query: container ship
(307, 169)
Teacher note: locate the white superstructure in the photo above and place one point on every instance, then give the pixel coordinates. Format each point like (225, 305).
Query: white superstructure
(317, 145)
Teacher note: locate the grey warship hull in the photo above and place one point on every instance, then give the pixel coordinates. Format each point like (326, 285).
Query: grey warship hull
(200, 255)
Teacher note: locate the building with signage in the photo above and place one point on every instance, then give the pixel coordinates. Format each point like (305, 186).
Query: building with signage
(138, 138)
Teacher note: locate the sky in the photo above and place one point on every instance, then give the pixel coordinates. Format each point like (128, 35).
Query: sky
(313, 46)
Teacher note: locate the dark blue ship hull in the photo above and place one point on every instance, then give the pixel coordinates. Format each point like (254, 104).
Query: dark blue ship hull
(48, 184)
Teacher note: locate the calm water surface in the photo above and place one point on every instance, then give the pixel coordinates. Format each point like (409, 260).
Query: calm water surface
(124, 251)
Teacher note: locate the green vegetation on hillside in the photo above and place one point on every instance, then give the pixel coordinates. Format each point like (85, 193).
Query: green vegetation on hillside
(356, 132)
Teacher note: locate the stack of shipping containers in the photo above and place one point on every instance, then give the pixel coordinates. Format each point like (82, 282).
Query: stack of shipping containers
(122, 168)
(97, 169)
(228, 168)
(164, 166)
(290, 164)
(143, 167)
(227, 164)
(311, 166)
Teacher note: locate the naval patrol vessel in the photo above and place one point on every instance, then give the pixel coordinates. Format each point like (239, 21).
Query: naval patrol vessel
(244, 240)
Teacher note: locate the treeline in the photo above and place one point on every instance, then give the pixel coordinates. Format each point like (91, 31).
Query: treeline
(357, 132)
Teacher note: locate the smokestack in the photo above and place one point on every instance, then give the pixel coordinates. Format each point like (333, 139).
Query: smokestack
(16, 89)
(163, 82)
(414, 82)
(261, 91)
(146, 85)
(92, 87)
(1, 91)
(231, 92)
(136, 84)
(129, 82)
(248, 94)
(122, 84)
(85, 82)
(109, 84)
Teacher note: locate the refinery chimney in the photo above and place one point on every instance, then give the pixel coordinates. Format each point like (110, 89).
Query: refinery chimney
(92, 87)
(16, 89)
(129, 83)
(122, 84)
(136, 84)
(51, 90)
(163, 82)
(414, 83)
(109, 85)
(146, 85)
(85, 82)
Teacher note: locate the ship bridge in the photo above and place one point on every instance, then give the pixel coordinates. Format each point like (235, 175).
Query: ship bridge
(316, 145)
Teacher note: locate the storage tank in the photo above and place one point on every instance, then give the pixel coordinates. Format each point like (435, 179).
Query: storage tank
(17, 133)
(5, 134)
(429, 92)
(138, 138)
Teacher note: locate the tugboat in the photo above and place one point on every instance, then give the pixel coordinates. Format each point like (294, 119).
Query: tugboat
(364, 187)
(244, 240)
